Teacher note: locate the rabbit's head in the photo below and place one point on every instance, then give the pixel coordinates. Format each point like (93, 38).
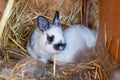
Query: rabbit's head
(52, 39)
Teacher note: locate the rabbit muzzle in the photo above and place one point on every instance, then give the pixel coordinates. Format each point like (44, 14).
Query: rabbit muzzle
(60, 46)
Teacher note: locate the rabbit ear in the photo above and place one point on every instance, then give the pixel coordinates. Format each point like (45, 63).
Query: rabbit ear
(56, 20)
(42, 23)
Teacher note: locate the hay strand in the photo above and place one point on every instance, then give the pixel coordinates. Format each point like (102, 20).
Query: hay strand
(105, 36)
(54, 66)
(109, 43)
(6, 15)
(117, 49)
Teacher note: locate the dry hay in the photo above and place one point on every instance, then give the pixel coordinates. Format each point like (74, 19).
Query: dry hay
(29, 69)
(97, 67)
(14, 38)
(92, 14)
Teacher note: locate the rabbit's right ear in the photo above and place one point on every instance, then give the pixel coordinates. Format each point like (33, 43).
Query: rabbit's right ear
(42, 23)
(56, 20)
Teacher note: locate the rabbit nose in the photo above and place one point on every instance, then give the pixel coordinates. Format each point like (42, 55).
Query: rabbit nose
(60, 46)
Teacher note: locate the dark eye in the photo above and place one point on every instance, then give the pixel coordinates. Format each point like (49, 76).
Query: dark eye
(50, 39)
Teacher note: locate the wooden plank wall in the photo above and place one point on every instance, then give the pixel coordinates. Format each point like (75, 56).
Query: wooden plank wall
(110, 23)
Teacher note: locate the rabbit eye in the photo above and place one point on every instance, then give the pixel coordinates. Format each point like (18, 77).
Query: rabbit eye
(50, 39)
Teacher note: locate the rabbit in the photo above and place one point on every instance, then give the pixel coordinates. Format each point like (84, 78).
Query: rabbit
(78, 38)
(46, 39)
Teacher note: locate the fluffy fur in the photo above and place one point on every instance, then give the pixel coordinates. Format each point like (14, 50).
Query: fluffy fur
(77, 38)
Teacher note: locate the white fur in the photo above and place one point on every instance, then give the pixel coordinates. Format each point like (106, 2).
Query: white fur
(41, 49)
(77, 38)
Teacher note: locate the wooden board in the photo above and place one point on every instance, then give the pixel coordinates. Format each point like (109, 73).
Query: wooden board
(110, 23)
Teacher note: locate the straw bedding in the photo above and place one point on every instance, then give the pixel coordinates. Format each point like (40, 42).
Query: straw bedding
(15, 62)
(97, 66)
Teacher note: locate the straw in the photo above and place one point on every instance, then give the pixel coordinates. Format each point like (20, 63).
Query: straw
(5, 17)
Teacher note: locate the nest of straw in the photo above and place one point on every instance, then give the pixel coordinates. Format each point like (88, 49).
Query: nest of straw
(94, 68)
(22, 19)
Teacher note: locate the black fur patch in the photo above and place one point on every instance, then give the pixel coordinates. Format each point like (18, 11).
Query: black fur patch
(50, 39)
(60, 44)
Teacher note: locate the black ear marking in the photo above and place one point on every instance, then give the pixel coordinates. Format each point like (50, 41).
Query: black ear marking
(42, 23)
(56, 20)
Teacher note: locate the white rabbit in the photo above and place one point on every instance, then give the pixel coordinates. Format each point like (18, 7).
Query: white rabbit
(77, 39)
(47, 39)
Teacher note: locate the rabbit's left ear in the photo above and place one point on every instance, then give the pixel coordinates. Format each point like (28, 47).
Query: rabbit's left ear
(43, 23)
(56, 20)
